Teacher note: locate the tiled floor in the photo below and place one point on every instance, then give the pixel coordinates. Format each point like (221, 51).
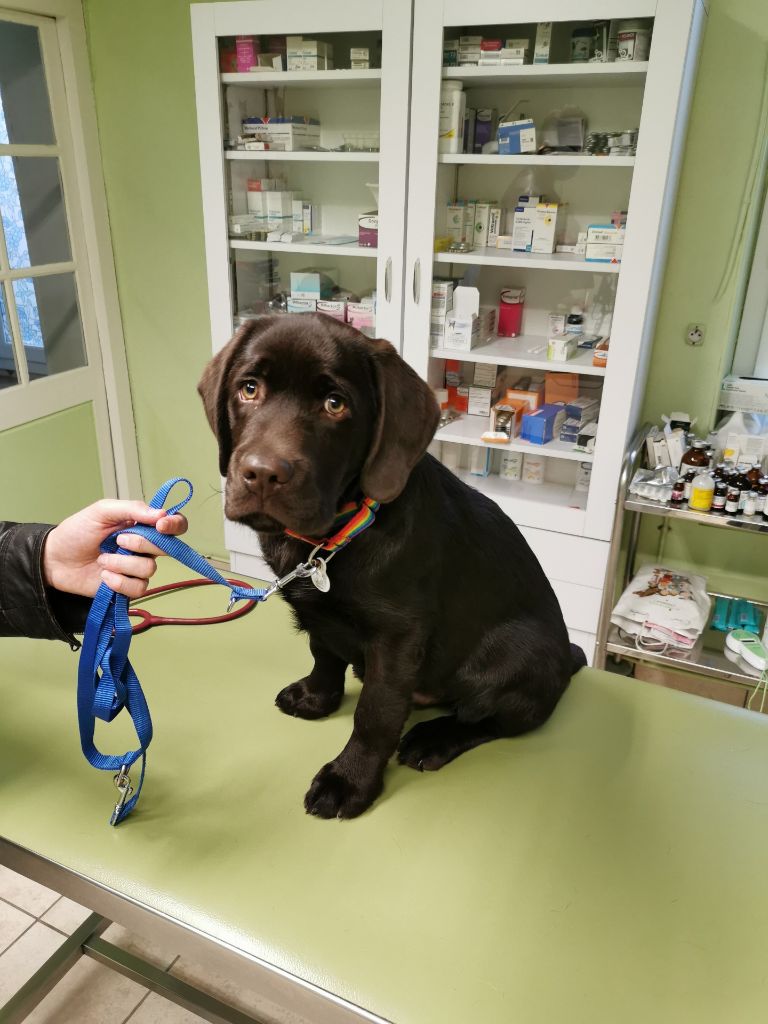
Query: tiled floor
(34, 921)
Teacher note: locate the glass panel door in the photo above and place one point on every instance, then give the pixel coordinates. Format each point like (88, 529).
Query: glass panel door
(42, 328)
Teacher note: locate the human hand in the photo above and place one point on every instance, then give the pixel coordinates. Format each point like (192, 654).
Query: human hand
(72, 559)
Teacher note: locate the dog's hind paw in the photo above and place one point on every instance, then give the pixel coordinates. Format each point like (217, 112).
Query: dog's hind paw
(301, 702)
(334, 795)
(431, 744)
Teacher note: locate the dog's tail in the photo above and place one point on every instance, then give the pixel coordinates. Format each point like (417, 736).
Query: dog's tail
(578, 659)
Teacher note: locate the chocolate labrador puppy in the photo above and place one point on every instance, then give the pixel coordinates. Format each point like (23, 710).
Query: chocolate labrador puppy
(440, 601)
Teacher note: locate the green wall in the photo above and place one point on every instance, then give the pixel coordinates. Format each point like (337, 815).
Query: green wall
(705, 255)
(142, 70)
(50, 467)
(141, 58)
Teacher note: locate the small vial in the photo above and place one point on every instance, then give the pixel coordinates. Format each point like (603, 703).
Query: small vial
(732, 500)
(750, 503)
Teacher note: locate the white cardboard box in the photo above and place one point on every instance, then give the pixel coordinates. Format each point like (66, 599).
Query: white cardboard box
(744, 394)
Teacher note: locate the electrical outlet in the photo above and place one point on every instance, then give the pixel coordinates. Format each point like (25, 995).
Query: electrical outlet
(694, 334)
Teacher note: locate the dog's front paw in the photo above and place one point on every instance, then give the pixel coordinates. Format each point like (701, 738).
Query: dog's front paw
(334, 795)
(301, 702)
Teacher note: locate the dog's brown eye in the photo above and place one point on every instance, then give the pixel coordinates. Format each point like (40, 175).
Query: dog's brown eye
(249, 390)
(335, 405)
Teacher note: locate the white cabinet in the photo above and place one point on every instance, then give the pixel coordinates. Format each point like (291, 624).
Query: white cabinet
(399, 98)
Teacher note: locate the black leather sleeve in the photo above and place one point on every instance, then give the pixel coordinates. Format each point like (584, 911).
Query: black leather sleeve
(27, 606)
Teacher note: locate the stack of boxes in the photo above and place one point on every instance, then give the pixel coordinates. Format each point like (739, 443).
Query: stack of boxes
(273, 209)
(359, 58)
(457, 320)
(534, 226)
(308, 54)
(314, 291)
(294, 132)
(476, 50)
(476, 221)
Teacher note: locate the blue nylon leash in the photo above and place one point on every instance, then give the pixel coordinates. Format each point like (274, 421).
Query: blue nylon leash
(106, 681)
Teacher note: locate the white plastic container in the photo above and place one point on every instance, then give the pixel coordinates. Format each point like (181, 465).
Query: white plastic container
(633, 39)
(511, 465)
(451, 125)
(533, 468)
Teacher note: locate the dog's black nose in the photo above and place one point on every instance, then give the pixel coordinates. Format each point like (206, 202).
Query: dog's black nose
(263, 473)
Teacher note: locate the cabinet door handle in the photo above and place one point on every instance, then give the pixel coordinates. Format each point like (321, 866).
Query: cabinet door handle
(388, 279)
(416, 280)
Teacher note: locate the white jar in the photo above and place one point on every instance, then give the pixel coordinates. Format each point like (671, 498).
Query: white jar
(451, 126)
(511, 465)
(533, 468)
(633, 39)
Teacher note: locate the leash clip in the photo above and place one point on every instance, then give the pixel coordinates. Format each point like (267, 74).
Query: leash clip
(123, 784)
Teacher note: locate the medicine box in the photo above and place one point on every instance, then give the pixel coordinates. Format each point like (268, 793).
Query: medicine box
(368, 229)
(517, 137)
(454, 222)
(543, 42)
(586, 439)
(481, 225)
(540, 427)
(333, 307)
(480, 462)
(298, 305)
(522, 228)
(604, 243)
(744, 394)
(528, 390)
(561, 348)
(311, 284)
(480, 401)
(544, 228)
(442, 297)
(582, 409)
(561, 387)
(569, 431)
(486, 119)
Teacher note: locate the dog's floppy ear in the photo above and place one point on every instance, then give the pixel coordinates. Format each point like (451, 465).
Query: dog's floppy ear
(212, 387)
(407, 419)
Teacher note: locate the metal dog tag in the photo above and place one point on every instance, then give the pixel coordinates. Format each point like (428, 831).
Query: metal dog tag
(320, 577)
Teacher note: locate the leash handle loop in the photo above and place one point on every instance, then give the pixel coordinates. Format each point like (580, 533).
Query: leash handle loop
(106, 680)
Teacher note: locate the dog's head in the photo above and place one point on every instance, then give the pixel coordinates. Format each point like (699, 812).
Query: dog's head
(307, 412)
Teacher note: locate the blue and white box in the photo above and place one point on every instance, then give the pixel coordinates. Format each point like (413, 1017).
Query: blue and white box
(517, 137)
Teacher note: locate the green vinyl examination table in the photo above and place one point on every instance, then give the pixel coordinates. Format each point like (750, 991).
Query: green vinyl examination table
(608, 868)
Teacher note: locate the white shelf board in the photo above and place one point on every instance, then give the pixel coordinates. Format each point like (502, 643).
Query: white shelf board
(467, 430)
(527, 159)
(488, 257)
(301, 154)
(616, 73)
(305, 79)
(307, 247)
(528, 350)
(545, 506)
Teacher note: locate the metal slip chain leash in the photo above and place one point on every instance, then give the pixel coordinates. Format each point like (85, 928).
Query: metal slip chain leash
(106, 681)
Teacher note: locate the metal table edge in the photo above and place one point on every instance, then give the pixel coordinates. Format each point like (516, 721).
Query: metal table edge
(290, 991)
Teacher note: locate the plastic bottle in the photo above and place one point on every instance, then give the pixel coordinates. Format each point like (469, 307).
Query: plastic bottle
(451, 125)
(702, 493)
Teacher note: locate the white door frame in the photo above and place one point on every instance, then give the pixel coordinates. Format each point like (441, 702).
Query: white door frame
(86, 203)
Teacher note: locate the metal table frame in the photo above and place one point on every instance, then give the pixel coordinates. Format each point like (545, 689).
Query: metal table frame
(628, 516)
(282, 988)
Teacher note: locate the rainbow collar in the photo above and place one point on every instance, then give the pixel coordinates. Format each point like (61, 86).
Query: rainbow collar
(350, 520)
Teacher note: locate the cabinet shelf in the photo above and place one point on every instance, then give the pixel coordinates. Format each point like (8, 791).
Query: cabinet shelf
(468, 430)
(350, 249)
(528, 351)
(617, 73)
(306, 79)
(488, 257)
(527, 159)
(546, 506)
(301, 154)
